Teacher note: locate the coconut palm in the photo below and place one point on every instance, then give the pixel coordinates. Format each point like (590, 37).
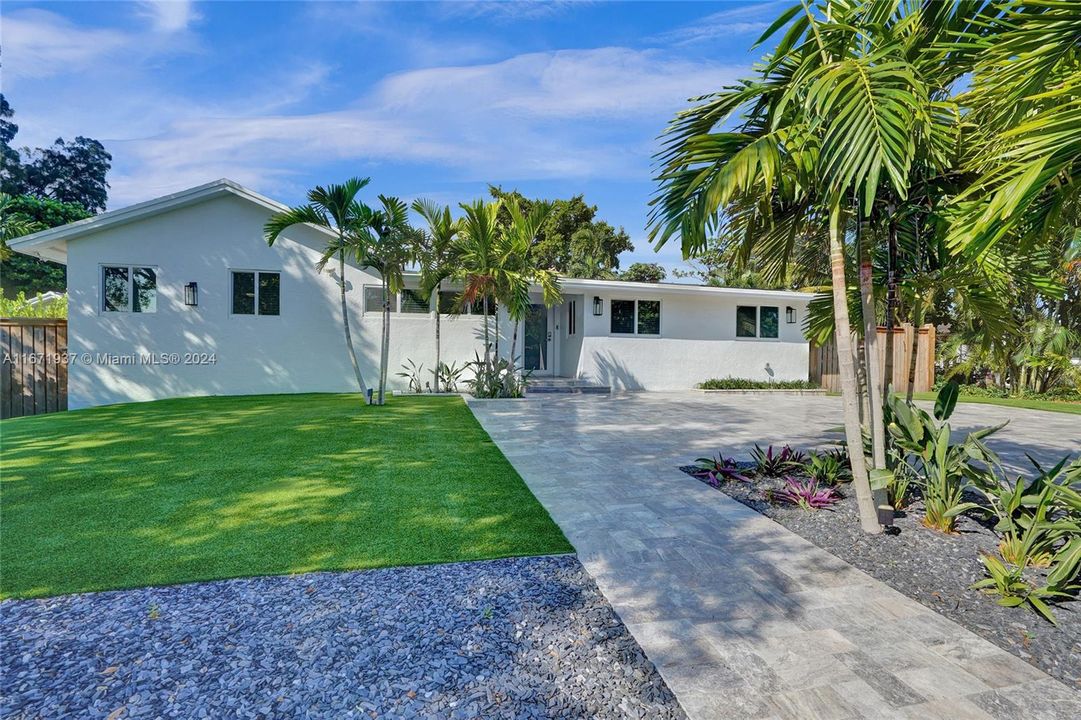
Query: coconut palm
(479, 259)
(438, 260)
(334, 208)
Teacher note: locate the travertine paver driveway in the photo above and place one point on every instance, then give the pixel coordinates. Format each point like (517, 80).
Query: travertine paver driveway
(742, 617)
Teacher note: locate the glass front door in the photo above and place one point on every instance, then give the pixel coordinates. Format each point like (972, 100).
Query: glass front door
(537, 337)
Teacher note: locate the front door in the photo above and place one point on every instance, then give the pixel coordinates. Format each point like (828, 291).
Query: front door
(538, 337)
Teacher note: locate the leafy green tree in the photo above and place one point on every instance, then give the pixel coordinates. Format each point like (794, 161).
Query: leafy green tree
(438, 259)
(334, 208)
(572, 242)
(644, 272)
(479, 267)
(71, 172)
(22, 273)
(11, 169)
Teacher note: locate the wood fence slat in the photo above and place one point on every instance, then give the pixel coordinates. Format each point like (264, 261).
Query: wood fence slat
(823, 362)
(31, 379)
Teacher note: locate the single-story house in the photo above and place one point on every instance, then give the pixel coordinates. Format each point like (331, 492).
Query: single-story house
(181, 295)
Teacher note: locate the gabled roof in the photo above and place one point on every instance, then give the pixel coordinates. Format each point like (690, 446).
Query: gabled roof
(51, 244)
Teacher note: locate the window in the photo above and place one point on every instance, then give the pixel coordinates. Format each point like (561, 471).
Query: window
(754, 321)
(571, 317)
(623, 316)
(373, 299)
(256, 293)
(649, 317)
(413, 301)
(768, 321)
(129, 289)
(448, 303)
(636, 317)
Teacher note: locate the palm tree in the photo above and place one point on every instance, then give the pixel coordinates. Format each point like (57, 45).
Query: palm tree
(519, 270)
(387, 243)
(13, 224)
(438, 260)
(850, 109)
(334, 208)
(479, 258)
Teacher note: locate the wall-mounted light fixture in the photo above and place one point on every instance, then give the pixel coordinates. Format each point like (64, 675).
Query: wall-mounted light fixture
(191, 294)
(598, 306)
(790, 315)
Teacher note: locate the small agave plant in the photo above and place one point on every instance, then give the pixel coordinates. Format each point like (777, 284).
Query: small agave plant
(807, 494)
(719, 468)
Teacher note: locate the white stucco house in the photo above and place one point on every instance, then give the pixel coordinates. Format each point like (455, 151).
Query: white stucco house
(182, 296)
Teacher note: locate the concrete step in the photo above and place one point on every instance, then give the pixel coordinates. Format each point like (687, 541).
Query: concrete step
(565, 386)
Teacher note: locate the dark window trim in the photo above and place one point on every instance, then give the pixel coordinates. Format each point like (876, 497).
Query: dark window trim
(255, 300)
(131, 268)
(634, 332)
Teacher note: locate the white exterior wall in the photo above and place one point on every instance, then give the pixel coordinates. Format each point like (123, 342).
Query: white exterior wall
(697, 342)
(300, 350)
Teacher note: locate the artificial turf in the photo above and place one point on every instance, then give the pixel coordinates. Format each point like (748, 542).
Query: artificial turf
(205, 488)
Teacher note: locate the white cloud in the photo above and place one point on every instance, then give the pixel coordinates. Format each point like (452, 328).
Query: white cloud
(39, 43)
(741, 20)
(169, 16)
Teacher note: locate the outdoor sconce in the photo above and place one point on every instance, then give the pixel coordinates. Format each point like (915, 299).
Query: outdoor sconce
(598, 306)
(790, 315)
(191, 294)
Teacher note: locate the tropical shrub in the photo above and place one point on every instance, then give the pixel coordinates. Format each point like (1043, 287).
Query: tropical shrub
(720, 468)
(943, 471)
(770, 463)
(448, 376)
(806, 493)
(21, 306)
(412, 371)
(496, 378)
(826, 468)
(1014, 590)
(731, 383)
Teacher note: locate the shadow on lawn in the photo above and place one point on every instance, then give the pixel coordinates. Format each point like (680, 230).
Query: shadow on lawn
(206, 488)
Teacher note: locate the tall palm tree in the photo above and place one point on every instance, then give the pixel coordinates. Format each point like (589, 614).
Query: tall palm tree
(438, 260)
(479, 259)
(519, 270)
(840, 120)
(334, 208)
(387, 243)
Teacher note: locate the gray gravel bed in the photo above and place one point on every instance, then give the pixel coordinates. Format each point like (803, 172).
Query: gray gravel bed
(933, 569)
(515, 638)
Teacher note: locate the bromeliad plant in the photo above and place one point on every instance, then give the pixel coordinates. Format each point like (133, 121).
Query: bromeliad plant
(943, 471)
(826, 468)
(772, 464)
(720, 468)
(806, 493)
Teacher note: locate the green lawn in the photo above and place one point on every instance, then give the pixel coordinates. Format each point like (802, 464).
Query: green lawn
(1028, 403)
(204, 488)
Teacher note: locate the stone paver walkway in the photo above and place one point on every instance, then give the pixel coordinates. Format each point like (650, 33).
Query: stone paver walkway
(743, 618)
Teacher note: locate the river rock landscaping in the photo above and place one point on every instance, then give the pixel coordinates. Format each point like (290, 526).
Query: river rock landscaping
(933, 568)
(515, 638)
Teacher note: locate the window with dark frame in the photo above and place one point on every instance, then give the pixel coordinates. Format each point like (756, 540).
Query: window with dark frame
(622, 317)
(448, 303)
(649, 317)
(571, 318)
(373, 299)
(256, 293)
(129, 288)
(746, 321)
(769, 321)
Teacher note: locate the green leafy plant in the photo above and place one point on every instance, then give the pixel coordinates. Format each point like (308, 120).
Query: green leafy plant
(496, 378)
(731, 383)
(447, 376)
(21, 306)
(942, 470)
(826, 468)
(411, 371)
(772, 463)
(1013, 590)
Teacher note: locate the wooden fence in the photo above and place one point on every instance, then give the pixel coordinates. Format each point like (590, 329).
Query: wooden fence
(823, 359)
(33, 366)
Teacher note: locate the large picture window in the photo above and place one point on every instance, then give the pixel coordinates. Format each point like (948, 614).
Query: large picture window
(128, 288)
(636, 317)
(413, 301)
(753, 321)
(255, 292)
(373, 299)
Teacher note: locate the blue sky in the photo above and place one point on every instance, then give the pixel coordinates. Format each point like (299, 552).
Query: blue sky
(428, 99)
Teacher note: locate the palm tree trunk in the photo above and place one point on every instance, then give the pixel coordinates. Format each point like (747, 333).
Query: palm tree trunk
(487, 343)
(383, 346)
(847, 371)
(348, 334)
(876, 421)
(913, 355)
(438, 289)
